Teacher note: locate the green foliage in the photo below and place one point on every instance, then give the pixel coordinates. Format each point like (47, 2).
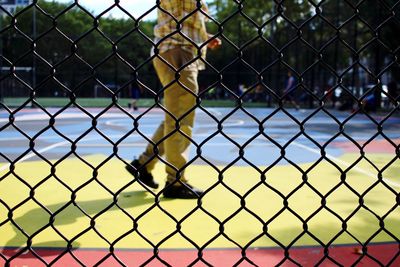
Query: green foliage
(74, 42)
(259, 37)
(273, 36)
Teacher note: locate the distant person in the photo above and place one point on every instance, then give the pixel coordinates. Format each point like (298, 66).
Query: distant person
(290, 85)
(393, 93)
(173, 52)
(135, 92)
(330, 95)
(241, 89)
(258, 93)
(369, 102)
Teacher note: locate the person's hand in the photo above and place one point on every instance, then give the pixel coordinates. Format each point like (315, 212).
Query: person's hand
(214, 43)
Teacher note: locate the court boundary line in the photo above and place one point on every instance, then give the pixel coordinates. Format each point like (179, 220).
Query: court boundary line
(32, 154)
(313, 150)
(346, 164)
(388, 243)
(114, 117)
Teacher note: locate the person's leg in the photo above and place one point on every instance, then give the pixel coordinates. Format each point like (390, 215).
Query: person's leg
(155, 149)
(166, 75)
(136, 96)
(149, 157)
(179, 99)
(181, 103)
(175, 132)
(133, 104)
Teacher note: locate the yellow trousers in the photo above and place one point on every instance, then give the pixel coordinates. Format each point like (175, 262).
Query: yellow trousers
(172, 137)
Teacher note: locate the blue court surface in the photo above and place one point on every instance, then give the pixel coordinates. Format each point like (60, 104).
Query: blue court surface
(341, 169)
(258, 131)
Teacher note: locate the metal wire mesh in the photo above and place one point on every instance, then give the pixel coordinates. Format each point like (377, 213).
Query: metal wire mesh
(318, 36)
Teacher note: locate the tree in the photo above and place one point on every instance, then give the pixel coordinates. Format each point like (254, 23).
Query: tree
(330, 43)
(76, 49)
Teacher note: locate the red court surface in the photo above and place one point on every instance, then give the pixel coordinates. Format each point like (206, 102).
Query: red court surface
(386, 254)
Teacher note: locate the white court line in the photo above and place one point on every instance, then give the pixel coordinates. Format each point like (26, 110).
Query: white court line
(47, 148)
(346, 164)
(335, 159)
(78, 115)
(43, 138)
(144, 145)
(239, 122)
(315, 136)
(31, 155)
(40, 117)
(116, 124)
(66, 143)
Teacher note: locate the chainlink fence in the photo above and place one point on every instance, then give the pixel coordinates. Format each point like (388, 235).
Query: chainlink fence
(341, 54)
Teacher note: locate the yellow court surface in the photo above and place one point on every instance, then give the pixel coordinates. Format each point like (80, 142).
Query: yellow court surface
(292, 206)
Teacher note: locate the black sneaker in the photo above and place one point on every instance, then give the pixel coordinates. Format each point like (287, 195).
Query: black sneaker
(181, 191)
(144, 176)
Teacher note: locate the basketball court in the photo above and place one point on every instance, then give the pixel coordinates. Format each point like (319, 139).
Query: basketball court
(268, 185)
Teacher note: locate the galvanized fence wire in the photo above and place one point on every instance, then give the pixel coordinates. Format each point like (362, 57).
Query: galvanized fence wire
(390, 9)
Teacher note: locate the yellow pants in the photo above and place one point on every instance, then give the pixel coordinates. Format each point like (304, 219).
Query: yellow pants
(172, 137)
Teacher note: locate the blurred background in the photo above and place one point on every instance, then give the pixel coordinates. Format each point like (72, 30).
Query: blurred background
(340, 53)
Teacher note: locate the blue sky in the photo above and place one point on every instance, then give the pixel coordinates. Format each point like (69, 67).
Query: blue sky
(135, 7)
